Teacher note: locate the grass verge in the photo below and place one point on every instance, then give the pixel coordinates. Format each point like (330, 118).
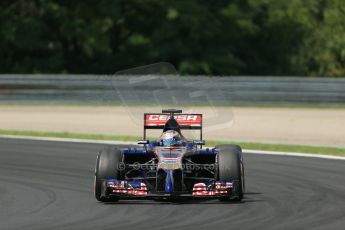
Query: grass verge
(336, 151)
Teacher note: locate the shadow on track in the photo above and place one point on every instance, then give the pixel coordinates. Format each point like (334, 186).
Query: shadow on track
(246, 199)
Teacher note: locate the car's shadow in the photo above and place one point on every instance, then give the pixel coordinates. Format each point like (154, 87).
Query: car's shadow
(249, 197)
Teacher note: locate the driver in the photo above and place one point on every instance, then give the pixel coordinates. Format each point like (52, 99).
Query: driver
(171, 138)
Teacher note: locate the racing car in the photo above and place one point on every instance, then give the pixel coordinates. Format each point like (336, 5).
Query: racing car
(170, 167)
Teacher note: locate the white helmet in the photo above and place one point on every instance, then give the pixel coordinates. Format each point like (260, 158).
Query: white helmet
(171, 138)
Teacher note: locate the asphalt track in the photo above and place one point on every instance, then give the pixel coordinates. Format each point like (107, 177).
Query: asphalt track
(48, 185)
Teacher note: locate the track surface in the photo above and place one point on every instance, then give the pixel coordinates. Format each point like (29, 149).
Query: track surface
(48, 185)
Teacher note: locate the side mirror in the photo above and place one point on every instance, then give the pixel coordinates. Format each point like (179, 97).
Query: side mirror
(143, 142)
(199, 142)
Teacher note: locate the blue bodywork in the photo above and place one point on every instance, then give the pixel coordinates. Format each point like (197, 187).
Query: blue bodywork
(169, 185)
(143, 151)
(166, 173)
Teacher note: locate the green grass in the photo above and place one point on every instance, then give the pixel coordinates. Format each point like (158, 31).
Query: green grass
(337, 151)
(69, 135)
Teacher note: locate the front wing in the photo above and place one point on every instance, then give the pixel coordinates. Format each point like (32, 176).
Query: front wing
(138, 190)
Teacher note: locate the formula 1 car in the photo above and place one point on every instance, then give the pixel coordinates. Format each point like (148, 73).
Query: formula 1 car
(170, 167)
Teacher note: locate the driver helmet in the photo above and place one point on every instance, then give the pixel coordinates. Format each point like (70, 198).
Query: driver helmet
(170, 138)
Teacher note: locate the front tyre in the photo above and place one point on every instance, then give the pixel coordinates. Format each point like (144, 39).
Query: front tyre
(230, 168)
(107, 167)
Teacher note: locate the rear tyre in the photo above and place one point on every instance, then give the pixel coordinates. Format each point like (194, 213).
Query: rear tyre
(230, 167)
(107, 167)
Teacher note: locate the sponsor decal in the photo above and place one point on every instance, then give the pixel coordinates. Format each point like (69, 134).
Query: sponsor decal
(200, 189)
(122, 187)
(184, 119)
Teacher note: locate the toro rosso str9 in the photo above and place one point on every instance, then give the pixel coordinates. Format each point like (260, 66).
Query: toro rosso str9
(170, 167)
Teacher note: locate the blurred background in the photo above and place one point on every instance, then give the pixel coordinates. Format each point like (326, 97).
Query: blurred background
(225, 37)
(277, 65)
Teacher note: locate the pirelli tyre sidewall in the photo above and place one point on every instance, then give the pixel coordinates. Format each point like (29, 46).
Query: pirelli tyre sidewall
(107, 167)
(230, 167)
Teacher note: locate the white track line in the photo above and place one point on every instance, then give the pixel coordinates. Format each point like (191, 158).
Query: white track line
(249, 151)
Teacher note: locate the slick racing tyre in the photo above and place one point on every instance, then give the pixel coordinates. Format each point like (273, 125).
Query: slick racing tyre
(230, 167)
(107, 167)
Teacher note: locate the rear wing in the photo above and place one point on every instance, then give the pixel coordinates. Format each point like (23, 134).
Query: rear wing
(185, 121)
